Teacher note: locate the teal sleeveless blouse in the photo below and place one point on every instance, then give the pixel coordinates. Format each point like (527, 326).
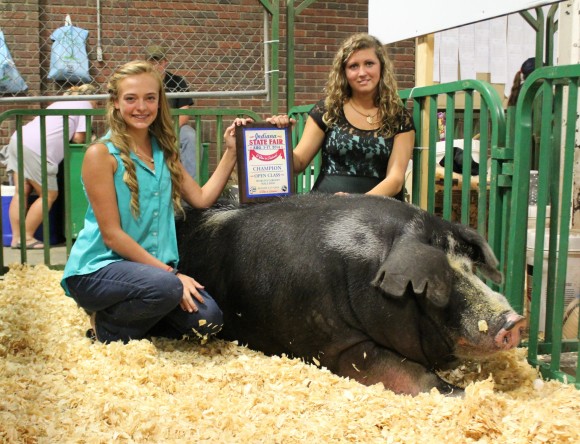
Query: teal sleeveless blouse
(154, 229)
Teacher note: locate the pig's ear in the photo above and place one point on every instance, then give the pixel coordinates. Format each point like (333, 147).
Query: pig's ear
(480, 253)
(425, 267)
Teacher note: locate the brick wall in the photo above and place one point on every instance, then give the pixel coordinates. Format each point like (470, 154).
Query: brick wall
(319, 30)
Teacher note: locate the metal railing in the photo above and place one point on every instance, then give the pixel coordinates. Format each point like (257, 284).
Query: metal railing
(500, 187)
(210, 129)
(241, 58)
(489, 121)
(557, 89)
(306, 179)
(440, 181)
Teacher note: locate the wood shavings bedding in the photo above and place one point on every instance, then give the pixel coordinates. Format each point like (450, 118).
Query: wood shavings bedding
(57, 386)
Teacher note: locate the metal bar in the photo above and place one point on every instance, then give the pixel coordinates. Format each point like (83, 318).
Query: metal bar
(557, 279)
(545, 188)
(467, 149)
(449, 136)
(417, 178)
(551, 29)
(291, 13)
(67, 197)
(519, 203)
(566, 198)
(267, 42)
(290, 60)
(275, 55)
(20, 183)
(303, 181)
(97, 97)
(433, 137)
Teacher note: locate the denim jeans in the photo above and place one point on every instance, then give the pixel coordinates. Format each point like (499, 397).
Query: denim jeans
(134, 301)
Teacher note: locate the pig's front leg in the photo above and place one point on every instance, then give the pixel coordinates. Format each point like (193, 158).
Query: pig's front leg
(369, 364)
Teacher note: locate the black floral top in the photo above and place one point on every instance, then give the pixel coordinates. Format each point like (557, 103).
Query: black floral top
(351, 151)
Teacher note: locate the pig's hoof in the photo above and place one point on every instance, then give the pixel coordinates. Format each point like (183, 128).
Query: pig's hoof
(456, 392)
(451, 391)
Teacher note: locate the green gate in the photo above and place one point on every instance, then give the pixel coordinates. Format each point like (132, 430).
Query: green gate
(209, 125)
(502, 188)
(436, 187)
(556, 90)
(495, 201)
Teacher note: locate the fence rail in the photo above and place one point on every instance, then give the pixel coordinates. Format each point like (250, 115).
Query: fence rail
(242, 58)
(494, 200)
(210, 130)
(556, 89)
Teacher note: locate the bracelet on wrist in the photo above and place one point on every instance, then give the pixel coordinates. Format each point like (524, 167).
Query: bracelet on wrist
(170, 269)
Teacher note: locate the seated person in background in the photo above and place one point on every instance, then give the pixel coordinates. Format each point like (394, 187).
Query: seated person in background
(173, 83)
(31, 142)
(365, 132)
(526, 69)
(523, 73)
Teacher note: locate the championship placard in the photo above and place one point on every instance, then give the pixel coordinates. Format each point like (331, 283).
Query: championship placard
(264, 154)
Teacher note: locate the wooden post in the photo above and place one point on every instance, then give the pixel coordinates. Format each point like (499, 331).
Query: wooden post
(424, 77)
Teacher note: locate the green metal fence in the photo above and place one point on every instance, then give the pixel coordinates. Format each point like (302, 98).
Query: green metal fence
(489, 124)
(209, 125)
(495, 200)
(501, 187)
(306, 179)
(434, 187)
(557, 89)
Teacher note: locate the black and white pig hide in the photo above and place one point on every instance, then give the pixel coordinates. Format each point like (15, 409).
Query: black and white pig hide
(369, 287)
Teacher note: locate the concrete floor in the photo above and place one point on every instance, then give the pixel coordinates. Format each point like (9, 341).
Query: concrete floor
(35, 257)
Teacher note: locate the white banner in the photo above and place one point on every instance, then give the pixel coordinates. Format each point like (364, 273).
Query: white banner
(394, 21)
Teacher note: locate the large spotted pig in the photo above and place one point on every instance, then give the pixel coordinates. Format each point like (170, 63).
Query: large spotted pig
(368, 287)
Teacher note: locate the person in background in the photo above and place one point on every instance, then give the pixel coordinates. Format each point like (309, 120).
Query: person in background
(122, 269)
(526, 69)
(157, 55)
(364, 131)
(31, 141)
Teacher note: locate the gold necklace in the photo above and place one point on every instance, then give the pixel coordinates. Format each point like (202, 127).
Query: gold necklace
(143, 156)
(369, 118)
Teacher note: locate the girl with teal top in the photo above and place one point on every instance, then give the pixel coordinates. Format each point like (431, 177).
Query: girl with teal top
(123, 266)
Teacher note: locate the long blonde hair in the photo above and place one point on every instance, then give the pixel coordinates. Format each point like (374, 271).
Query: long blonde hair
(338, 91)
(161, 128)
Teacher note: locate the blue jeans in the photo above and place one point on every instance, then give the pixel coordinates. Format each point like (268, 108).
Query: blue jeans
(187, 139)
(134, 301)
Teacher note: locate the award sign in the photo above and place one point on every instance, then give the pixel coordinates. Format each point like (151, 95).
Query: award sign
(264, 154)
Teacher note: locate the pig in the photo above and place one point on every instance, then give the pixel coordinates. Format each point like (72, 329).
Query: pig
(368, 287)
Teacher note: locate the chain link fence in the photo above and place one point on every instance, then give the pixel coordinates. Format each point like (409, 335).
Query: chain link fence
(220, 48)
(217, 46)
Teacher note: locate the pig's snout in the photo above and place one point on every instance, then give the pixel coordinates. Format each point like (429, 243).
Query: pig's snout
(510, 334)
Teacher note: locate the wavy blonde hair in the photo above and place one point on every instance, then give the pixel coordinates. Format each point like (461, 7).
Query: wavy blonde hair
(161, 128)
(81, 90)
(338, 91)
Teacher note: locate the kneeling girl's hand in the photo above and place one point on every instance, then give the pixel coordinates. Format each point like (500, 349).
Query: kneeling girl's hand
(190, 291)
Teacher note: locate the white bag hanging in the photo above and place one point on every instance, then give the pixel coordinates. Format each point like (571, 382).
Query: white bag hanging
(68, 57)
(11, 82)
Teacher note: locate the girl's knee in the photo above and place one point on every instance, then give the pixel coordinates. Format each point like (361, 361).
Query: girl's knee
(208, 320)
(214, 317)
(173, 288)
(165, 292)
